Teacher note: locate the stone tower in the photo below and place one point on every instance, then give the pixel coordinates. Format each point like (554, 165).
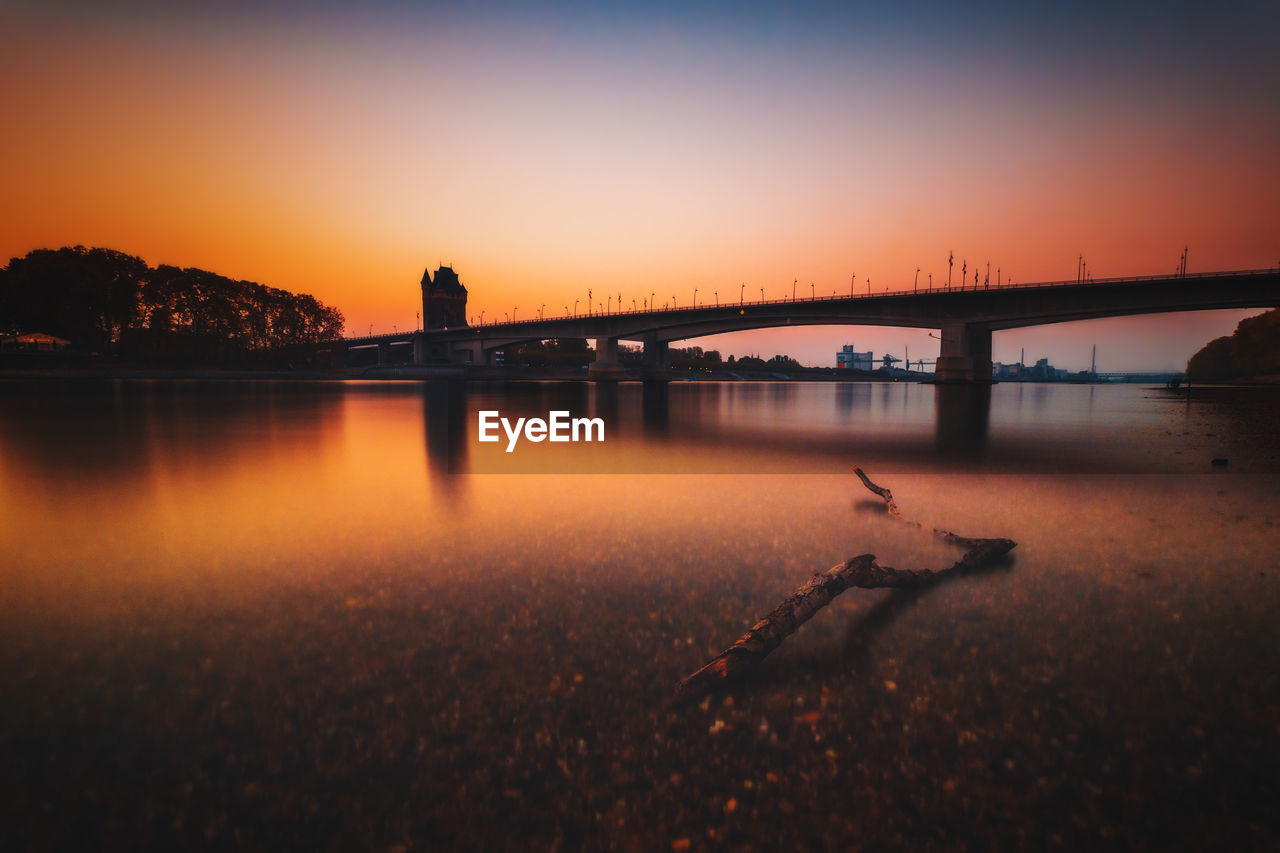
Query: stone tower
(444, 300)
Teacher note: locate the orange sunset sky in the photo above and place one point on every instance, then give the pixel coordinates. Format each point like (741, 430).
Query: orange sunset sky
(550, 148)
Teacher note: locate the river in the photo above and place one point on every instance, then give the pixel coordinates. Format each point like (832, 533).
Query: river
(321, 614)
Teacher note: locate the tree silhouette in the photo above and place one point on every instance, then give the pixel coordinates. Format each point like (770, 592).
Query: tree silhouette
(112, 303)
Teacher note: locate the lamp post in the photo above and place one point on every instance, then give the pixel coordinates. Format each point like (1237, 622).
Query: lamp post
(915, 285)
(762, 294)
(695, 297)
(588, 302)
(813, 293)
(793, 289)
(575, 308)
(717, 293)
(868, 287)
(608, 304)
(481, 318)
(742, 293)
(673, 302)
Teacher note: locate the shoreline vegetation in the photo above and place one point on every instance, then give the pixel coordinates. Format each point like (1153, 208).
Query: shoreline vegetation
(78, 307)
(1249, 355)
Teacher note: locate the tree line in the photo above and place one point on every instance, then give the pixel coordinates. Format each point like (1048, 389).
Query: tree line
(1252, 351)
(114, 304)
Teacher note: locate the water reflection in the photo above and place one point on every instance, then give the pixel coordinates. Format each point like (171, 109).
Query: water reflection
(656, 405)
(444, 411)
(264, 610)
(963, 417)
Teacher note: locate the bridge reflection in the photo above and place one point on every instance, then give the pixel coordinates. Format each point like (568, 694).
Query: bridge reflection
(809, 428)
(963, 420)
(710, 427)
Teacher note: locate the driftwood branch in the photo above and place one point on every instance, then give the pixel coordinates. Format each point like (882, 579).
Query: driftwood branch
(861, 571)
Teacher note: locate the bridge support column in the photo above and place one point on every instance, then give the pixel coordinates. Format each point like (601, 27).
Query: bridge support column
(419, 349)
(468, 353)
(656, 360)
(606, 365)
(965, 355)
(384, 352)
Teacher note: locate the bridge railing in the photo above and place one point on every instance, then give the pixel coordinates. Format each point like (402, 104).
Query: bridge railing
(914, 291)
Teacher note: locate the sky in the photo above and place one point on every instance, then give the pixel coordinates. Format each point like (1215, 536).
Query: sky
(544, 149)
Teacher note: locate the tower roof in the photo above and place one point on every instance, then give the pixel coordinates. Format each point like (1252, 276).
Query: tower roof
(446, 280)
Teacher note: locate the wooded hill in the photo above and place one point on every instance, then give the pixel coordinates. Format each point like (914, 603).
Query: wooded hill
(1251, 352)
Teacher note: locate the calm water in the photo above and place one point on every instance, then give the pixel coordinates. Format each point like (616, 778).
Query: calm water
(321, 614)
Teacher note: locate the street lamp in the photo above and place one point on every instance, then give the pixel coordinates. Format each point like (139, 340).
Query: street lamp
(868, 287)
(793, 289)
(575, 308)
(852, 278)
(588, 302)
(608, 304)
(813, 294)
(695, 297)
(742, 293)
(915, 285)
(762, 294)
(717, 293)
(673, 302)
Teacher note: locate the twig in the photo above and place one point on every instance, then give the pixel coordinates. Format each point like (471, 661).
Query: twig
(862, 571)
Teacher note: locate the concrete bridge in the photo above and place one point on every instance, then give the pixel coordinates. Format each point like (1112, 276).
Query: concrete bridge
(965, 317)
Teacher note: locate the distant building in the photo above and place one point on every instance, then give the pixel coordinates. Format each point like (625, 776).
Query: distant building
(33, 342)
(848, 359)
(444, 299)
(1041, 371)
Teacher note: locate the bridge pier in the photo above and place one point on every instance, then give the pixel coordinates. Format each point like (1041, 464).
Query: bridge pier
(656, 360)
(384, 352)
(965, 354)
(606, 365)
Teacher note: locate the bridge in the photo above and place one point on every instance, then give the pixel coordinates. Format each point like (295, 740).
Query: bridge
(964, 315)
